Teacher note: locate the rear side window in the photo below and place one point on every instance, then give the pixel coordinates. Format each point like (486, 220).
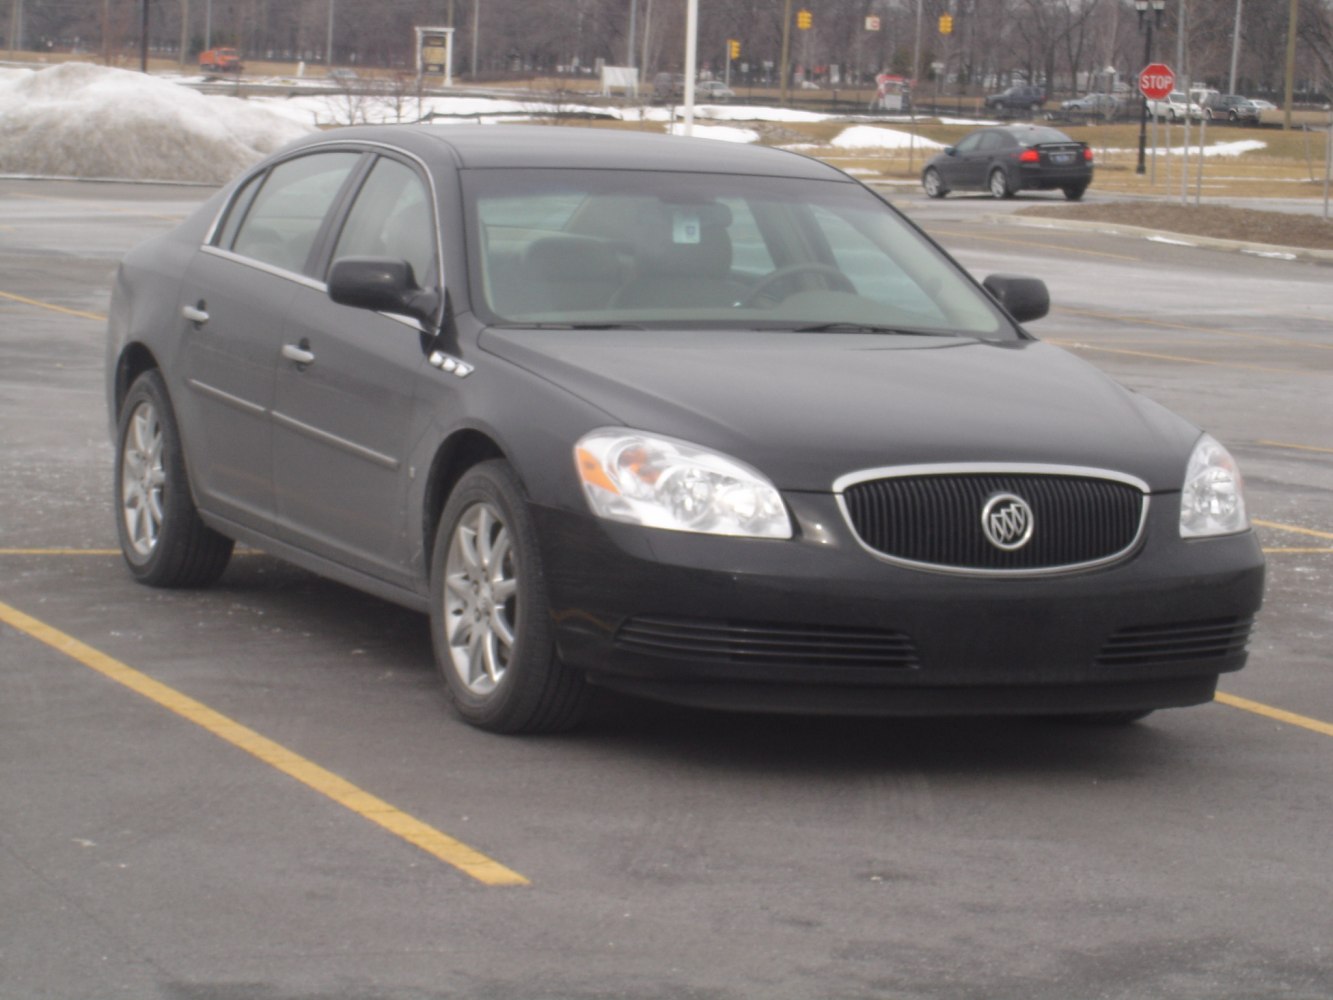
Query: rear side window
(287, 211)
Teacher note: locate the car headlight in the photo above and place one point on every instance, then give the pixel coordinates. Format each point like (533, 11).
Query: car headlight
(660, 482)
(1212, 501)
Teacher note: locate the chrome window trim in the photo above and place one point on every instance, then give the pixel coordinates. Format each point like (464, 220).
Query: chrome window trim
(842, 483)
(352, 146)
(259, 265)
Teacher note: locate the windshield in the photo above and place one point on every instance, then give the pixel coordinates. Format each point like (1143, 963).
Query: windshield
(647, 248)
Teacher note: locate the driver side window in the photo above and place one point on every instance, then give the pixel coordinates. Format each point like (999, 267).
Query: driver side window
(392, 218)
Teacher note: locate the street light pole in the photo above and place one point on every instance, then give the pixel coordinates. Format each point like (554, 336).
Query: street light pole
(1146, 25)
(1235, 51)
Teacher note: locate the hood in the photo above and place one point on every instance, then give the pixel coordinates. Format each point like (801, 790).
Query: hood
(805, 409)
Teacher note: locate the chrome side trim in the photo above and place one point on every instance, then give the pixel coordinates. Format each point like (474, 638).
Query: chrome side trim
(378, 458)
(225, 397)
(449, 363)
(1000, 468)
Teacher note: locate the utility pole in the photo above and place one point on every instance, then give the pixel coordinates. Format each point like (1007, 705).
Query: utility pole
(1291, 64)
(143, 38)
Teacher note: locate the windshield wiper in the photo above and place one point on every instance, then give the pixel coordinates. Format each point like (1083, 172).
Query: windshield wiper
(903, 331)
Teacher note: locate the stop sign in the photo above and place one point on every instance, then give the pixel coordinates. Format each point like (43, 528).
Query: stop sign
(1156, 81)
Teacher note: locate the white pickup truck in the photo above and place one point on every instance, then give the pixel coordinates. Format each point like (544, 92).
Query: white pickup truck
(1174, 107)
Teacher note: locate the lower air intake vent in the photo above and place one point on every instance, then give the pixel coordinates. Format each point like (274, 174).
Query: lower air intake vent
(1148, 644)
(761, 643)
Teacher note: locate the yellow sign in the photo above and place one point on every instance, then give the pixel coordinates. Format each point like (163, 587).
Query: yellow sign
(733, 48)
(946, 24)
(804, 19)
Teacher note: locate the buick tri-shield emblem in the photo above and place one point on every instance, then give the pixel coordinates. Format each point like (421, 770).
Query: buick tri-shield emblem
(1007, 521)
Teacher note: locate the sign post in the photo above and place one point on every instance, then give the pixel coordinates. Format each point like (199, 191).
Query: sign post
(1156, 81)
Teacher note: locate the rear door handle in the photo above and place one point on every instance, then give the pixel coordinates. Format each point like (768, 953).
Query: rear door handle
(195, 314)
(297, 353)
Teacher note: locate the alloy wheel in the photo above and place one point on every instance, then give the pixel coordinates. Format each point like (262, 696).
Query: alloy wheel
(481, 598)
(142, 478)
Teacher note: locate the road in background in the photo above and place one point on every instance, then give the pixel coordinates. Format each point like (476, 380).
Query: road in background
(667, 853)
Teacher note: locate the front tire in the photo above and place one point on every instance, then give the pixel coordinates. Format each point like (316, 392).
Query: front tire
(934, 183)
(163, 539)
(999, 184)
(490, 620)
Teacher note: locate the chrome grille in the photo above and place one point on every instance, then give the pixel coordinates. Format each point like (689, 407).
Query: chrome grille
(935, 520)
(767, 643)
(1203, 640)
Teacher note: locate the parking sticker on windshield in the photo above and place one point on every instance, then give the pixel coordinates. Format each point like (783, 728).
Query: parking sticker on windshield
(685, 227)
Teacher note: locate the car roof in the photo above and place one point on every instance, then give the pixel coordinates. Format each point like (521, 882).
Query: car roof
(548, 146)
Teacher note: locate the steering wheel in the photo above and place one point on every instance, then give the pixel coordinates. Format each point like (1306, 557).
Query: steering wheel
(836, 279)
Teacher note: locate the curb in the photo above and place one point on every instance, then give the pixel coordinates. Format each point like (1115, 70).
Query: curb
(1268, 250)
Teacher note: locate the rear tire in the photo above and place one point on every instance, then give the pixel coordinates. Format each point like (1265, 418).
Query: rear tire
(999, 184)
(1075, 191)
(490, 620)
(163, 539)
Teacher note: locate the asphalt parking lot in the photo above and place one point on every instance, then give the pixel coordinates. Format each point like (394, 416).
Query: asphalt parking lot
(258, 791)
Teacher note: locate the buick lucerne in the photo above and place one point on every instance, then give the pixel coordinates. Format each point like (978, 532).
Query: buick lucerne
(692, 420)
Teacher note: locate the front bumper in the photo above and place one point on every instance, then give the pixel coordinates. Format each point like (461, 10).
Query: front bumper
(817, 623)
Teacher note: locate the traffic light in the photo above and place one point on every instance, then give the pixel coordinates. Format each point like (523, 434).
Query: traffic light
(804, 19)
(733, 48)
(946, 24)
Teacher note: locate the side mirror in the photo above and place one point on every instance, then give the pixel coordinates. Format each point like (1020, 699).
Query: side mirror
(950, 150)
(381, 284)
(1025, 299)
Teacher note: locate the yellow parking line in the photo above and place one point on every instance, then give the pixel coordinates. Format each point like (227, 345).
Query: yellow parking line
(1280, 714)
(427, 838)
(1080, 346)
(1296, 447)
(59, 552)
(49, 305)
(1298, 551)
(1292, 528)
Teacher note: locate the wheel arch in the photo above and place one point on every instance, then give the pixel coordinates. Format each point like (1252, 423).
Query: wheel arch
(455, 456)
(134, 360)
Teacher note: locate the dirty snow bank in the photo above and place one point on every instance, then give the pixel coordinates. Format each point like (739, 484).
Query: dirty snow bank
(81, 120)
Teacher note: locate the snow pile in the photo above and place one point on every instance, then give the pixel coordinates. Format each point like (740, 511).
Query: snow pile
(873, 137)
(722, 133)
(81, 120)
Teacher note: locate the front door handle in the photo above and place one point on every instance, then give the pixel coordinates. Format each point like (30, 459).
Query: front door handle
(195, 314)
(298, 353)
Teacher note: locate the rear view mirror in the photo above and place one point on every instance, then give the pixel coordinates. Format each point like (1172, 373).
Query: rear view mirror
(1025, 299)
(381, 284)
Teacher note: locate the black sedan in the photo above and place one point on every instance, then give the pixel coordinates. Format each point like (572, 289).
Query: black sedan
(1010, 158)
(696, 421)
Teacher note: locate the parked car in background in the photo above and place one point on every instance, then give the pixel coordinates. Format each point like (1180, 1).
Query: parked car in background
(713, 92)
(1174, 107)
(1252, 111)
(1223, 107)
(694, 420)
(1101, 105)
(1006, 159)
(1021, 97)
